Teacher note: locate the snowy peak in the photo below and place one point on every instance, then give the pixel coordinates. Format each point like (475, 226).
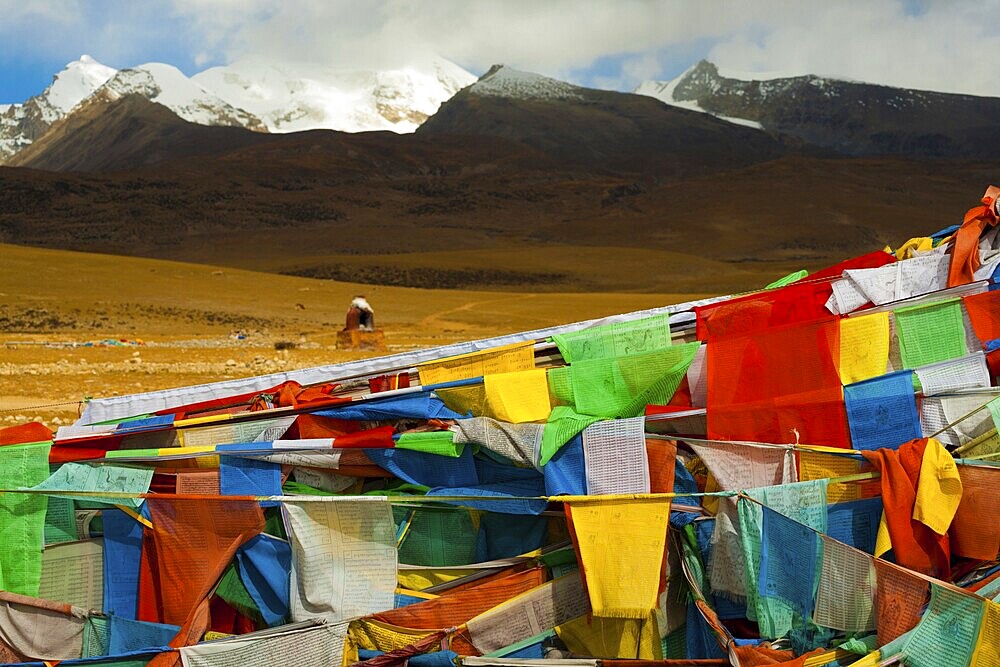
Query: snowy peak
(504, 81)
(259, 96)
(77, 81)
(297, 97)
(167, 85)
(20, 124)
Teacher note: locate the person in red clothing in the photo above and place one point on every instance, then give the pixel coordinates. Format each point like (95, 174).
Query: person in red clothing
(360, 316)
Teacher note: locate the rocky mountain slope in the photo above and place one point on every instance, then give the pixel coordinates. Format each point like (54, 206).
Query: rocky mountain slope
(848, 117)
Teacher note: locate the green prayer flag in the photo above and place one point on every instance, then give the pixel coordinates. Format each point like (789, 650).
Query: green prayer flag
(22, 517)
(60, 520)
(102, 479)
(233, 592)
(947, 633)
(930, 333)
(789, 279)
(440, 536)
(563, 425)
(96, 636)
(622, 387)
(615, 340)
(994, 408)
(432, 442)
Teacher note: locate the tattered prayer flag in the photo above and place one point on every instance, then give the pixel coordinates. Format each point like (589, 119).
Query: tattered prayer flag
(343, 558)
(517, 397)
(22, 517)
(505, 359)
(788, 561)
(621, 544)
(864, 347)
(615, 340)
(930, 333)
(737, 466)
(882, 411)
(946, 635)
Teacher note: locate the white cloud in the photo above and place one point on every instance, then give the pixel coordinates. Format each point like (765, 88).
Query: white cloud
(943, 45)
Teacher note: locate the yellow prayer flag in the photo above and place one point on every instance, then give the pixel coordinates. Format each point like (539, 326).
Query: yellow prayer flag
(621, 544)
(986, 652)
(464, 400)
(505, 359)
(817, 465)
(522, 396)
(612, 638)
(939, 488)
(418, 580)
(864, 347)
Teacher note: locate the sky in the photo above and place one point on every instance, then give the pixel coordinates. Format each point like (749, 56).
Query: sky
(947, 45)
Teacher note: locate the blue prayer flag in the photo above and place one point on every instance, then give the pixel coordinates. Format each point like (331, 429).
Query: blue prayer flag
(882, 411)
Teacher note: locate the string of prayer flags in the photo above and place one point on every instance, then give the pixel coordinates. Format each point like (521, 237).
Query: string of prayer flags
(615, 456)
(882, 411)
(864, 347)
(621, 546)
(930, 333)
(517, 397)
(615, 340)
(22, 516)
(343, 558)
(504, 359)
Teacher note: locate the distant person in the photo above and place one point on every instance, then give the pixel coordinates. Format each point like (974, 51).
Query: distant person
(360, 316)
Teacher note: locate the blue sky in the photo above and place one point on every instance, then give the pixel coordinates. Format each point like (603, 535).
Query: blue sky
(913, 43)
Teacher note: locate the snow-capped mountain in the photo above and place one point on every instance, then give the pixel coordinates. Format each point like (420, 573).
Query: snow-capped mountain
(250, 94)
(167, 85)
(847, 116)
(504, 81)
(291, 98)
(20, 124)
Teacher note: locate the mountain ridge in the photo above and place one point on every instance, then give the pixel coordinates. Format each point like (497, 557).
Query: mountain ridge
(849, 117)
